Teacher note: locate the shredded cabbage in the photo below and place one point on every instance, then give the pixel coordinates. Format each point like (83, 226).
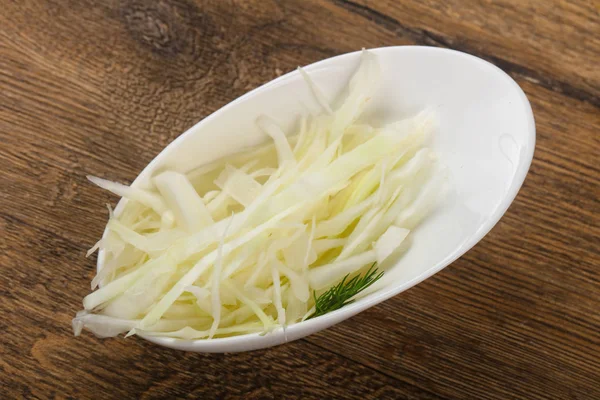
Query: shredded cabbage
(240, 245)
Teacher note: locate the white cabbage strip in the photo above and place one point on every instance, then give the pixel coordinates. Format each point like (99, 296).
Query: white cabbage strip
(244, 244)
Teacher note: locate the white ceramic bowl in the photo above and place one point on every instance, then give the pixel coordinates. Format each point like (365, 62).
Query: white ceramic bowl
(486, 139)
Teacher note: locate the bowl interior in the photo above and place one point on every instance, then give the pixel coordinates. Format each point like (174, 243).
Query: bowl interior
(486, 139)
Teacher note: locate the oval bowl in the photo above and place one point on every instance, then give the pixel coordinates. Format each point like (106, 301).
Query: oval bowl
(486, 139)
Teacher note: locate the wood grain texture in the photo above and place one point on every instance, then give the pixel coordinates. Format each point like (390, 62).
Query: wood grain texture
(101, 87)
(551, 43)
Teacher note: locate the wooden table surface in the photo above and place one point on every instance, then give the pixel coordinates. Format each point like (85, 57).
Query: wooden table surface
(102, 87)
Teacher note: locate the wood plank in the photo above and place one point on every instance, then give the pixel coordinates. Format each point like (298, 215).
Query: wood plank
(102, 87)
(552, 43)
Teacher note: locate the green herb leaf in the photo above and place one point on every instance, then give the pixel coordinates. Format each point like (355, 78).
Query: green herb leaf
(341, 294)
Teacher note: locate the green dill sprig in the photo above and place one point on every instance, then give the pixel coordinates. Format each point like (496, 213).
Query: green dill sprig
(342, 294)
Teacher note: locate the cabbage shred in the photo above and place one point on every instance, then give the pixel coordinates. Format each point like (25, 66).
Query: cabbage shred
(247, 243)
